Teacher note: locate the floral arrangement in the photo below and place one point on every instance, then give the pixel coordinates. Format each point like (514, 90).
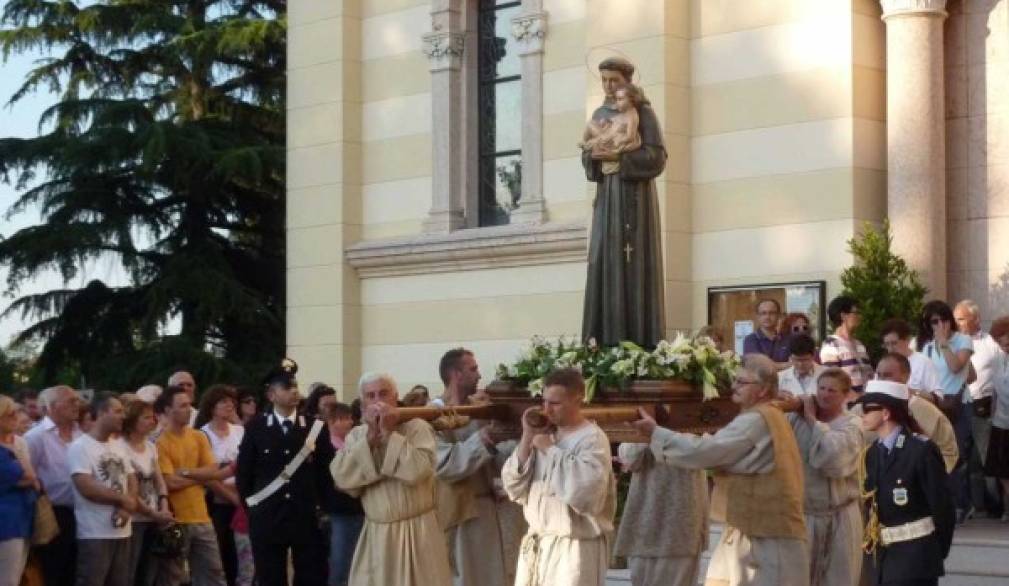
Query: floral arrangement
(694, 360)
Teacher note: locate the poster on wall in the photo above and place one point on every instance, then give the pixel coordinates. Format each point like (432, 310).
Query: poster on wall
(741, 329)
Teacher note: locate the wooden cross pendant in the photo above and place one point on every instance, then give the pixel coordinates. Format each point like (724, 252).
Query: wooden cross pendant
(628, 249)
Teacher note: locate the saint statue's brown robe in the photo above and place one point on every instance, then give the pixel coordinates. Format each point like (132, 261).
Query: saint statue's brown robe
(623, 288)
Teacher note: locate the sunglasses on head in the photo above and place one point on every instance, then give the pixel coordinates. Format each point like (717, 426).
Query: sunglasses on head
(871, 408)
(798, 328)
(935, 321)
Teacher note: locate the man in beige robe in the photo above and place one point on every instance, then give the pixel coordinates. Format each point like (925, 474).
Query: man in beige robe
(664, 528)
(467, 508)
(830, 443)
(758, 483)
(562, 475)
(390, 466)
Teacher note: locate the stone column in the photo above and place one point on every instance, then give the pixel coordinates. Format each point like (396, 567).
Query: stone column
(444, 49)
(916, 136)
(529, 30)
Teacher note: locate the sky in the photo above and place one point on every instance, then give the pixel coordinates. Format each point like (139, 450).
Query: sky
(21, 120)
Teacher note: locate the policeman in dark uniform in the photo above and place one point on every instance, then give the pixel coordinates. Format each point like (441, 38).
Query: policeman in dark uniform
(281, 471)
(911, 516)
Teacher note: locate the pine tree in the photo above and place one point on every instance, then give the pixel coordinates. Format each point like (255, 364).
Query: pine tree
(164, 151)
(883, 284)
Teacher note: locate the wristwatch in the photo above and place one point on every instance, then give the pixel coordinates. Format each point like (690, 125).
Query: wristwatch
(184, 473)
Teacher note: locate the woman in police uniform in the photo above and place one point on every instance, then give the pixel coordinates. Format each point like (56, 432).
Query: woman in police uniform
(911, 514)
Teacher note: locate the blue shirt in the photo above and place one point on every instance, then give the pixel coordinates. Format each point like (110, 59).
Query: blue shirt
(776, 349)
(889, 441)
(951, 382)
(17, 504)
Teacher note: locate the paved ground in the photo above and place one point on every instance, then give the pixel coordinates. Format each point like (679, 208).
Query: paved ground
(978, 558)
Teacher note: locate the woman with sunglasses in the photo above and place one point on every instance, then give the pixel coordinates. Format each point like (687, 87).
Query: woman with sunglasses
(910, 526)
(950, 351)
(794, 324)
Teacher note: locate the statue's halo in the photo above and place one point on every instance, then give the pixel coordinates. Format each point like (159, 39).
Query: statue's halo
(595, 56)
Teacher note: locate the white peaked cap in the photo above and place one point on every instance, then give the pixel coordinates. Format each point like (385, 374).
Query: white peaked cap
(889, 388)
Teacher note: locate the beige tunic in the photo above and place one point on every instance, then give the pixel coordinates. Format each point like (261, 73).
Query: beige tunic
(664, 527)
(401, 542)
(568, 496)
(742, 447)
(474, 537)
(830, 455)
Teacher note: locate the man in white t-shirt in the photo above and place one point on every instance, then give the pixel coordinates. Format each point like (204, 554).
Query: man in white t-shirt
(800, 378)
(924, 381)
(104, 488)
(984, 360)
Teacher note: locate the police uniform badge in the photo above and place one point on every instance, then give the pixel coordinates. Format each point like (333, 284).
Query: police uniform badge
(900, 496)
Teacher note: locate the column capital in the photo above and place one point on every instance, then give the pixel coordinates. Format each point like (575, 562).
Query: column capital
(529, 30)
(444, 49)
(894, 8)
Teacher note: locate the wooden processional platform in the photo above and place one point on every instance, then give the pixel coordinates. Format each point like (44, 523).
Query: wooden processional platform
(676, 405)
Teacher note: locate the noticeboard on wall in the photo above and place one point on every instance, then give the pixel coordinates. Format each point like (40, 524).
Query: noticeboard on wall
(731, 309)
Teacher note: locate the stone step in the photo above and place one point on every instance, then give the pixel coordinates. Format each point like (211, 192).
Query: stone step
(979, 557)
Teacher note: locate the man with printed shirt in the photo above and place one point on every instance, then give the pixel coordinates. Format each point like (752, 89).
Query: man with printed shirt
(909, 492)
(283, 504)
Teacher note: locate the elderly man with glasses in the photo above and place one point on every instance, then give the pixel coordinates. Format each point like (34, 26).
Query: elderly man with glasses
(758, 483)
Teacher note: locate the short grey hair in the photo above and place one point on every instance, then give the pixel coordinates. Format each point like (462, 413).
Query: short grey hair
(50, 395)
(763, 368)
(374, 377)
(173, 380)
(971, 306)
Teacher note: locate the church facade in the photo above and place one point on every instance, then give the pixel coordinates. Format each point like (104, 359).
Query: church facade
(436, 197)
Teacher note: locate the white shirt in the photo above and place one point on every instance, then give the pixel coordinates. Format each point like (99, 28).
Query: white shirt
(277, 418)
(225, 449)
(924, 377)
(986, 351)
(110, 466)
(144, 465)
(1000, 380)
(789, 380)
(49, 458)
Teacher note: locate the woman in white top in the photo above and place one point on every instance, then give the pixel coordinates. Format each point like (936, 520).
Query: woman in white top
(950, 351)
(997, 463)
(152, 493)
(216, 417)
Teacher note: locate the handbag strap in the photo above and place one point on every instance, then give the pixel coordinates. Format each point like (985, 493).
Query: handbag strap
(289, 470)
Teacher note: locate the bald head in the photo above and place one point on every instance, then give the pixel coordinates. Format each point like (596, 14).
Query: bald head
(894, 367)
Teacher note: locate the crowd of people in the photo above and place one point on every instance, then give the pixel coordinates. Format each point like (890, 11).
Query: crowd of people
(828, 459)
(153, 488)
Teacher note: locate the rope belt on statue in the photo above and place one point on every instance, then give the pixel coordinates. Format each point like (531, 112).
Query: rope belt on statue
(907, 531)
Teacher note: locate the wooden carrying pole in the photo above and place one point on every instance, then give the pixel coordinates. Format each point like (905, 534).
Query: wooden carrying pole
(504, 413)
